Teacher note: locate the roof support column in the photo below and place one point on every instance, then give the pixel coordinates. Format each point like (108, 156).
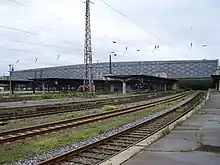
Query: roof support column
(174, 86)
(112, 87)
(33, 87)
(124, 87)
(218, 85)
(48, 87)
(165, 86)
(12, 88)
(43, 87)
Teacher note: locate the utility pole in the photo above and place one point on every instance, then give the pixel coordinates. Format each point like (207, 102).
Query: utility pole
(88, 77)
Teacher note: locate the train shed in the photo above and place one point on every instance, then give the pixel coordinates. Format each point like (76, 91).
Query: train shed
(144, 82)
(216, 79)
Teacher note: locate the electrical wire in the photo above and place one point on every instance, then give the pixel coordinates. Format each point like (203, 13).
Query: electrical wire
(39, 28)
(19, 50)
(54, 46)
(23, 31)
(38, 44)
(131, 20)
(18, 3)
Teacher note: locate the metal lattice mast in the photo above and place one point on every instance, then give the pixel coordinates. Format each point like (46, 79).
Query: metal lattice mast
(88, 77)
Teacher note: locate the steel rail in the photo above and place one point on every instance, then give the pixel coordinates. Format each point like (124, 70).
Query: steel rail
(79, 106)
(101, 150)
(21, 133)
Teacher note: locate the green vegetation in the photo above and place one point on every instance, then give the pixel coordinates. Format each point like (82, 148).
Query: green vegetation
(21, 150)
(53, 118)
(186, 150)
(20, 97)
(110, 107)
(218, 121)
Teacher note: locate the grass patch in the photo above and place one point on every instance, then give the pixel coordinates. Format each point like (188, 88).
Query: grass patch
(218, 121)
(19, 151)
(186, 150)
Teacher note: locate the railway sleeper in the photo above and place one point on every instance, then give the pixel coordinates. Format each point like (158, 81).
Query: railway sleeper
(83, 160)
(139, 134)
(127, 138)
(107, 147)
(102, 151)
(121, 141)
(134, 136)
(92, 156)
(142, 132)
(95, 154)
(119, 144)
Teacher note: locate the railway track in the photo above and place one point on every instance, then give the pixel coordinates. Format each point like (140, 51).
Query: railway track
(21, 133)
(77, 106)
(101, 150)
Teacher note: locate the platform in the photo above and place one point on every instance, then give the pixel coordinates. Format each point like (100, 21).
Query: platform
(50, 101)
(44, 102)
(195, 142)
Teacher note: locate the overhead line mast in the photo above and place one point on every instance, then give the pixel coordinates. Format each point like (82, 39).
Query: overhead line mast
(88, 75)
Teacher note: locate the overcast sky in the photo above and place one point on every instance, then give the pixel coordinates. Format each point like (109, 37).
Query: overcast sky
(46, 29)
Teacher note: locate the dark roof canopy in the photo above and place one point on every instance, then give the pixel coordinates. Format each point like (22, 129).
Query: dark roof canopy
(144, 77)
(215, 77)
(14, 81)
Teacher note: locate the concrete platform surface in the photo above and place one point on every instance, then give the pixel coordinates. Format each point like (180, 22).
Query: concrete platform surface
(37, 102)
(195, 142)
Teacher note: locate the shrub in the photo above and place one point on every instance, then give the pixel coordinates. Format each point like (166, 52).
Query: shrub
(110, 107)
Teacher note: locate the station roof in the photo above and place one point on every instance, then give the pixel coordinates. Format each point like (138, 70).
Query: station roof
(216, 75)
(114, 78)
(172, 69)
(145, 77)
(14, 81)
(61, 79)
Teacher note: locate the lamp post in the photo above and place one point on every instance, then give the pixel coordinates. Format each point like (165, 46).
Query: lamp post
(11, 69)
(110, 61)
